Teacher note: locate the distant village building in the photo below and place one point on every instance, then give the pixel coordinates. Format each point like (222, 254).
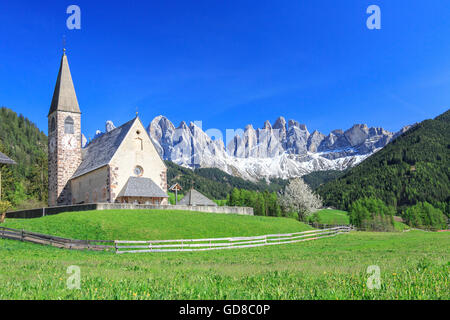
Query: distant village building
(121, 165)
(4, 160)
(195, 198)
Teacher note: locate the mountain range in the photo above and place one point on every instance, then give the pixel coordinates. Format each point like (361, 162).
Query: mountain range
(284, 149)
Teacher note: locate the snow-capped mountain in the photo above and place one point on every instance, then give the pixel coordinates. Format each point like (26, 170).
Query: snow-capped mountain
(282, 150)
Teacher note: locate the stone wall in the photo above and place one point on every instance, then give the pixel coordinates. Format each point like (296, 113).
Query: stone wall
(37, 213)
(91, 187)
(64, 158)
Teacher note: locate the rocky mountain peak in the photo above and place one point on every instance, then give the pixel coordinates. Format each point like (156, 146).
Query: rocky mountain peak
(182, 125)
(267, 125)
(109, 126)
(280, 123)
(280, 150)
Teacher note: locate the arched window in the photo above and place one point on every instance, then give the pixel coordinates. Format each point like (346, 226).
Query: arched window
(68, 125)
(53, 125)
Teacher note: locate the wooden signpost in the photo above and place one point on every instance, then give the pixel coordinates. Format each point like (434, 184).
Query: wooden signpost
(176, 187)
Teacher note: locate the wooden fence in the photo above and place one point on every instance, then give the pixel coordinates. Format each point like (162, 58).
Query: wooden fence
(124, 246)
(327, 226)
(39, 238)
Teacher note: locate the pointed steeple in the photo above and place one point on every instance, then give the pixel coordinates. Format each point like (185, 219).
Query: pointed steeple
(64, 97)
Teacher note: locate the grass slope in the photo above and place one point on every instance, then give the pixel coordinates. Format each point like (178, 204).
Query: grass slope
(413, 265)
(329, 216)
(154, 224)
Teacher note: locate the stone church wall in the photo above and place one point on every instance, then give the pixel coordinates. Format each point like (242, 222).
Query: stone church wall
(64, 160)
(91, 187)
(37, 213)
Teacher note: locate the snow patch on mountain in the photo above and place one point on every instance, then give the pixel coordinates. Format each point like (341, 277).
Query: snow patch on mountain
(285, 149)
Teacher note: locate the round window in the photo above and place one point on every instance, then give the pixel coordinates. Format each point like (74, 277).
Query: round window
(138, 171)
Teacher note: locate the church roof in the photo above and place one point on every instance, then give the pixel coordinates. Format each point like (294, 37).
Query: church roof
(195, 198)
(5, 160)
(142, 187)
(100, 151)
(64, 96)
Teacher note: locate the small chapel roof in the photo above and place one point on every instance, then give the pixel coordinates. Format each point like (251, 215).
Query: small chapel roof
(142, 187)
(64, 96)
(100, 151)
(5, 160)
(195, 198)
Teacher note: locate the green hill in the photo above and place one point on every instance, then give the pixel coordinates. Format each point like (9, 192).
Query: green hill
(317, 178)
(215, 183)
(154, 224)
(329, 216)
(412, 168)
(22, 141)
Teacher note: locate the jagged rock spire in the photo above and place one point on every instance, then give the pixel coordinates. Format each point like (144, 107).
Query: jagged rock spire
(64, 97)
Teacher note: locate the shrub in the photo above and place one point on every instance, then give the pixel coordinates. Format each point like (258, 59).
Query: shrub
(4, 206)
(424, 216)
(372, 214)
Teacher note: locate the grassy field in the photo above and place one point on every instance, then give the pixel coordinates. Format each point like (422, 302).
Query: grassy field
(154, 224)
(329, 216)
(413, 265)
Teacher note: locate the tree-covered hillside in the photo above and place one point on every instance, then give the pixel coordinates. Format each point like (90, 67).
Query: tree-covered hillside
(412, 168)
(215, 183)
(317, 178)
(23, 142)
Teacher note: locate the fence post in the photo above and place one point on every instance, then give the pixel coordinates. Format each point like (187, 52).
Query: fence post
(115, 245)
(22, 237)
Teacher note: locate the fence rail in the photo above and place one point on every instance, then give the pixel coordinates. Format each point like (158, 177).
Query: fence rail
(45, 239)
(137, 246)
(179, 245)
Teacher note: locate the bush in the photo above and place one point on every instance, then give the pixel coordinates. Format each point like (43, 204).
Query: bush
(372, 214)
(4, 206)
(263, 203)
(424, 216)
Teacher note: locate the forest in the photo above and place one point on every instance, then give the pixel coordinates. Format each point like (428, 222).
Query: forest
(24, 184)
(411, 169)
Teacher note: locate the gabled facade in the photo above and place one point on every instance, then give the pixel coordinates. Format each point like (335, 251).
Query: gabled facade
(119, 166)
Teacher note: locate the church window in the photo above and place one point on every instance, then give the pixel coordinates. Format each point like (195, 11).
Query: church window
(138, 171)
(53, 125)
(68, 125)
(140, 143)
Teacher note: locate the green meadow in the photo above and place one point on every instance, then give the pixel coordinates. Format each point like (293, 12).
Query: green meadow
(334, 217)
(413, 265)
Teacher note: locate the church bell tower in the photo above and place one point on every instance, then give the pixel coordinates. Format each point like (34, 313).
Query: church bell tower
(64, 137)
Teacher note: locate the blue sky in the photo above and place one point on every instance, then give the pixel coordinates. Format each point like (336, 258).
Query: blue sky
(230, 63)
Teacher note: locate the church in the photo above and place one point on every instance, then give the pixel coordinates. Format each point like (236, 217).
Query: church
(120, 166)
